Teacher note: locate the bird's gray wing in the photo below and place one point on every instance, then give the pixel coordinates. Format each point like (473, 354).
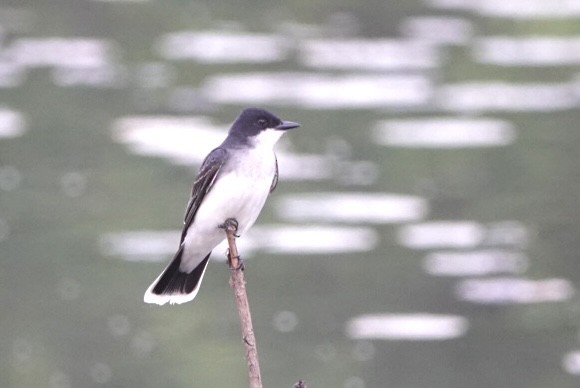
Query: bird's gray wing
(205, 180)
(275, 179)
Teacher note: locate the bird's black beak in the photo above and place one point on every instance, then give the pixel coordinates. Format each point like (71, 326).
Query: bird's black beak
(287, 125)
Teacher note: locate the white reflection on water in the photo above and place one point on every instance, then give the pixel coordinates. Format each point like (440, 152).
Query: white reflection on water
(441, 234)
(366, 54)
(571, 362)
(450, 30)
(312, 239)
(483, 262)
(448, 132)
(141, 245)
(183, 140)
(507, 96)
(12, 123)
(275, 239)
(516, 9)
(376, 208)
(528, 51)
(321, 91)
(463, 234)
(60, 51)
(102, 76)
(222, 47)
(514, 290)
(74, 61)
(407, 327)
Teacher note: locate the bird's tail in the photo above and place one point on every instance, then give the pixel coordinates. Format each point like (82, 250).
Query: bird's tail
(174, 286)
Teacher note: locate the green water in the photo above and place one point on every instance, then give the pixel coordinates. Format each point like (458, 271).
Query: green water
(71, 316)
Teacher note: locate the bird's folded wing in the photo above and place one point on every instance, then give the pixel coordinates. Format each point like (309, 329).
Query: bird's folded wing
(205, 180)
(275, 179)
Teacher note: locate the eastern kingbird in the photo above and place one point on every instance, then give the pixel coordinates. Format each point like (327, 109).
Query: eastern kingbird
(233, 182)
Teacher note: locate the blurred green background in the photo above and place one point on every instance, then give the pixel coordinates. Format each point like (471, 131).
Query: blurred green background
(71, 308)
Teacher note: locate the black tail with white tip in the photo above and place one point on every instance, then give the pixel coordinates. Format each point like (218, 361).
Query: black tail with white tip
(174, 286)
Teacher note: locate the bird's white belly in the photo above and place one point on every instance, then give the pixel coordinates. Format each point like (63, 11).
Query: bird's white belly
(240, 195)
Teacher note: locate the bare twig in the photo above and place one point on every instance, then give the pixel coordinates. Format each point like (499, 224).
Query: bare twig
(238, 283)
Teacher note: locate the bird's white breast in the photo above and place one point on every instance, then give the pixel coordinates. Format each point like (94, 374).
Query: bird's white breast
(238, 193)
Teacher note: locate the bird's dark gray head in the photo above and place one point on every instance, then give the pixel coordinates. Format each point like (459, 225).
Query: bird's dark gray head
(255, 125)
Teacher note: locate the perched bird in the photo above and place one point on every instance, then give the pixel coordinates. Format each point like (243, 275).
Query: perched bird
(233, 182)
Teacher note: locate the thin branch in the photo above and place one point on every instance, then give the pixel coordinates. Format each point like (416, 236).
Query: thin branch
(238, 284)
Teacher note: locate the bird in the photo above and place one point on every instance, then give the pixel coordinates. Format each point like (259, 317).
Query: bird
(233, 183)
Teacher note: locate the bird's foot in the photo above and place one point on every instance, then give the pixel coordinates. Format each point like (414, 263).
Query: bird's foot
(240, 262)
(230, 225)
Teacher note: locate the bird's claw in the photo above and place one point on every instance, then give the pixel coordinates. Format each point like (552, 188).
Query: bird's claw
(230, 225)
(238, 267)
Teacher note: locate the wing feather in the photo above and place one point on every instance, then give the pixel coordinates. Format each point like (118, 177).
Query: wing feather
(275, 179)
(205, 180)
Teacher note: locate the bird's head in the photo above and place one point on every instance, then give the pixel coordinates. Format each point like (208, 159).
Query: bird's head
(258, 127)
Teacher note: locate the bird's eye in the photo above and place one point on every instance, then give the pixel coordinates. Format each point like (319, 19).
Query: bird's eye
(262, 123)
